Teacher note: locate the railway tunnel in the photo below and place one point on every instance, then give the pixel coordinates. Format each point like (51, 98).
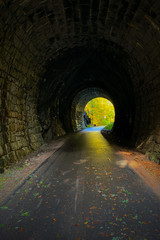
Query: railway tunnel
(58, 55)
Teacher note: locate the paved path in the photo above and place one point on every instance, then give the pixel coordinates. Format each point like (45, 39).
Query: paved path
(82, 192)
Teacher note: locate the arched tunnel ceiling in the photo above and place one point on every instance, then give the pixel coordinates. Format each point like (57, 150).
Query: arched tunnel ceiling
(80, 70)
(47, 28)
(86, 95)
(52, 50)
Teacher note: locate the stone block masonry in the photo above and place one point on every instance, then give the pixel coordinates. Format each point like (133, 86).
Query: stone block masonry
(20, 131)
(51, 52)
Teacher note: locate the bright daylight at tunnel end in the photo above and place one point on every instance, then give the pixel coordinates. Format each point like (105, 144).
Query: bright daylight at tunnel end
(58, 55)
(99, 112)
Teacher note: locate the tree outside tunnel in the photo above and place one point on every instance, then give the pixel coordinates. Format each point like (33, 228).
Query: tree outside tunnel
(101, 112)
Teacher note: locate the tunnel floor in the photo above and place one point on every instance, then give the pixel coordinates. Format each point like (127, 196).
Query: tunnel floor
(82, 193)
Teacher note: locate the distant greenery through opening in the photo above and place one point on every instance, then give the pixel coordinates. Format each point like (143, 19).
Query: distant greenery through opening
(101, 112)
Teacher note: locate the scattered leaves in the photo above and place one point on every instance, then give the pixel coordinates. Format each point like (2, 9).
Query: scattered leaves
(45, 186)
(25, 214)
(125, 201)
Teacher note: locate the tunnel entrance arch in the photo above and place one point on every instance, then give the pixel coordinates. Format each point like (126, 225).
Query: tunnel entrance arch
(79, 103)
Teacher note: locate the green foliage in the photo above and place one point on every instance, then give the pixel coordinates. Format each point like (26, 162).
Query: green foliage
(109, 126)
(101, 111)
(89, 125)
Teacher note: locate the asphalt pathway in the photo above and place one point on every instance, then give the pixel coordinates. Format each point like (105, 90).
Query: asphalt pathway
(84, 191)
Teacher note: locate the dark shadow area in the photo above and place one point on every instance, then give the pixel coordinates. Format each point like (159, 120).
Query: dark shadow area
(86, 69)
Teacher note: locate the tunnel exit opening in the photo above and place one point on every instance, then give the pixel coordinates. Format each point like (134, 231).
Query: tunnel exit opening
(99, 112)
(82, 115)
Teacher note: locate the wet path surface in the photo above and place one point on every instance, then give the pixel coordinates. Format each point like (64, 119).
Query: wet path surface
(82, 192)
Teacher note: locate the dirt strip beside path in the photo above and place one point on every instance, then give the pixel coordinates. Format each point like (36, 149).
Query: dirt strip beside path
(148, 170)
(16, 174)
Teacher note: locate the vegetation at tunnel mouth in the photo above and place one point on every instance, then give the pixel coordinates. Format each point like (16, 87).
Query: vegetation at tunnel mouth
(101, 112)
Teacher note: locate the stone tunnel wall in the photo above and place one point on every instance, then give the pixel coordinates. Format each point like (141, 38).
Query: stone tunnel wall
(147, 120)
(20, 131)
(50, 121)
(35, 33)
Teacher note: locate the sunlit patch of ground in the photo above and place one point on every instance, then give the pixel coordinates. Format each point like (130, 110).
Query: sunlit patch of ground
(148, 170)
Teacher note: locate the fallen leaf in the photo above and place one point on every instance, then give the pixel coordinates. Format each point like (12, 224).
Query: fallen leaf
(135, 217)
(4, 207)
(36, 194)
(76, 225)
(21, 229)
(93, 207)
(54, 219)
(26, 214)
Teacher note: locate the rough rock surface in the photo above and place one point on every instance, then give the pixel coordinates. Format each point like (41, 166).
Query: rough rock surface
(54, 52)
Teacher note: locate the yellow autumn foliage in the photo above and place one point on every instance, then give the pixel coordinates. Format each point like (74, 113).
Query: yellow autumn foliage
(101, 111)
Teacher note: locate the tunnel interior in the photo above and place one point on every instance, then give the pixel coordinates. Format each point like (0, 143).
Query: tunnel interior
(93, 76)
(58, 55)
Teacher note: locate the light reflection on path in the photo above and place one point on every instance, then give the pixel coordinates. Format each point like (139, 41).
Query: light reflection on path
(81, 193)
